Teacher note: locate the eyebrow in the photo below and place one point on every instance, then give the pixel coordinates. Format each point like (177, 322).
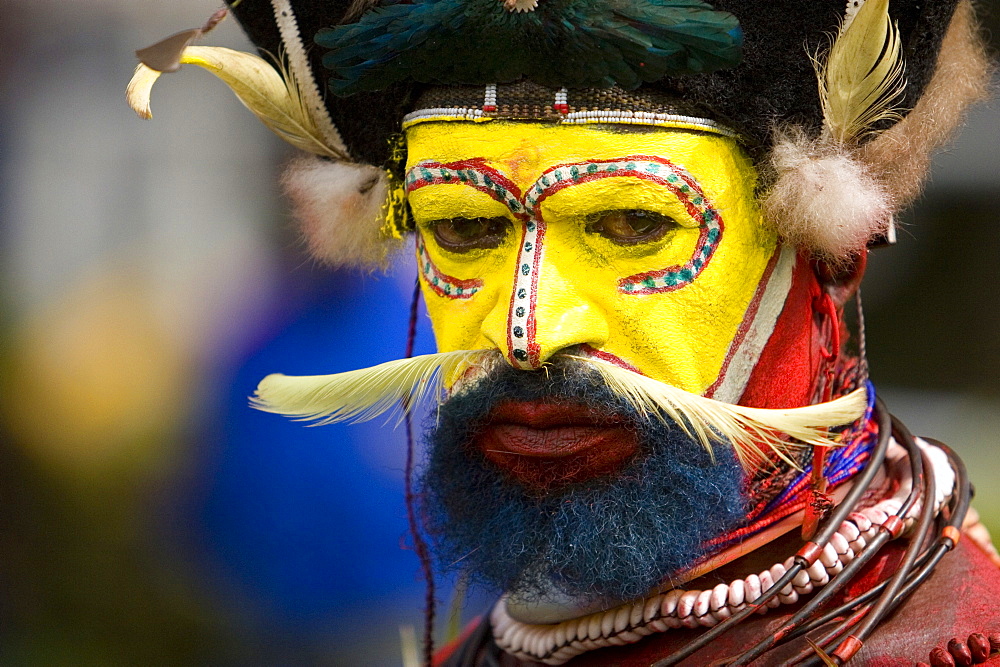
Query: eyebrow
(476, 173)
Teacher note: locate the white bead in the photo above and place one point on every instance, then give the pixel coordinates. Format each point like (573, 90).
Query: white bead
(607, 624)
(534, 642)
(839, 544)
(690, 622)
(737, 590)
(541, 644)
(818, 574)
(849, 530)
(560, 634)
(562, 655)
(805, 590)
(845, 559)
(635, 615)
(668, 605)
(703, 603)
(863, 523)
(829, 555)
(516, 638)
(766, 582)
(686, 603)
(622, 617)
(661, 624)
(630, 637)
(753, 589)
(789, 598)
(708, 620)
(875, 515)
(777, 572)
(594, 626)
(652, 608)
(720, 595)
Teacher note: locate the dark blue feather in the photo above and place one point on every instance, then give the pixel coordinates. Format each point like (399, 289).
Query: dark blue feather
(573, 43)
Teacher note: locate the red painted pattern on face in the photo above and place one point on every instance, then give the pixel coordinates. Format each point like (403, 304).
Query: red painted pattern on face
(545, 445)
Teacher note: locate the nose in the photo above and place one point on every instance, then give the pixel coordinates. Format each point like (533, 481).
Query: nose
(547, 311)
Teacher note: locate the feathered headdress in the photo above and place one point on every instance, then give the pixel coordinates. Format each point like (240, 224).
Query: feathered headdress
(841, 106)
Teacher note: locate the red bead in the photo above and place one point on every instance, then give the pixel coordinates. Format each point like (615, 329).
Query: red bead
(941, 658)
(994, 638)
(960, 652)
(979, 646)
(894, 525)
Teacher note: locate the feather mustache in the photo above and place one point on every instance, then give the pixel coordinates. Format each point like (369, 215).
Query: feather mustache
(396, 387)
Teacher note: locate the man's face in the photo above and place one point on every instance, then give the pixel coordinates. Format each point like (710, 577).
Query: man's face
(646, 246)
(643, 248)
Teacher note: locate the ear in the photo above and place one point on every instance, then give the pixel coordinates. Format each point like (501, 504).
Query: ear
(841, 279)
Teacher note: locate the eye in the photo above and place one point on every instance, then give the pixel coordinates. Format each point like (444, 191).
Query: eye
(631, 227)
(464, 234)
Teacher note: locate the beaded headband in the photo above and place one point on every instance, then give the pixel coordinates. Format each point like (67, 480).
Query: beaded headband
(525, 100)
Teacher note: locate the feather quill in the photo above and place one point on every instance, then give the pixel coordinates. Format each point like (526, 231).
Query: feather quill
(862, 76)
(272, 95)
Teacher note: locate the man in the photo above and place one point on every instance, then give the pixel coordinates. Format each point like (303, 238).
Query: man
(637, 225)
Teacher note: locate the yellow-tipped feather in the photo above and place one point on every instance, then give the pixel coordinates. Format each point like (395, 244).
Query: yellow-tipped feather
(751, 431)
(271, 95)
(364, 394)
(863, 74)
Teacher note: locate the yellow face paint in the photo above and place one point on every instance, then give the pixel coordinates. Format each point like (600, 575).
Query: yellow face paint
(642, 246)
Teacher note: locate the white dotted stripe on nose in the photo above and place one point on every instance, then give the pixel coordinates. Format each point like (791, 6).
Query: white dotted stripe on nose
(521, 319)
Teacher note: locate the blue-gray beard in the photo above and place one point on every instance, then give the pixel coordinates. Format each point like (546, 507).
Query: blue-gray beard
(610, 538)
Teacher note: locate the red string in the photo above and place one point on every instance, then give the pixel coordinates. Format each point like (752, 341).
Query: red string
(419, 545)
(820, 501)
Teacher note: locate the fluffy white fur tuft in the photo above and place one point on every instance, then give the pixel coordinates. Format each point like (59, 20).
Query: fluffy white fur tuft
(824, 199)
(340, 206)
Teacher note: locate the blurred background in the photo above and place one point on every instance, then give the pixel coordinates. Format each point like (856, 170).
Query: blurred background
(151, 276)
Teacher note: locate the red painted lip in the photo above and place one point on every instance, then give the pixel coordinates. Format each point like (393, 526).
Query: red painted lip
(553, 443)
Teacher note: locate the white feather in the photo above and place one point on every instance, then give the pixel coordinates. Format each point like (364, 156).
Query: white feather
(750, 431)
(402, 384)
(364, 394)
(861, 77)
